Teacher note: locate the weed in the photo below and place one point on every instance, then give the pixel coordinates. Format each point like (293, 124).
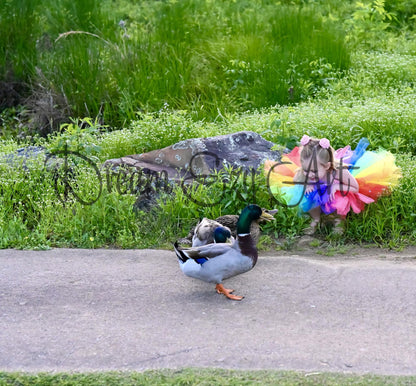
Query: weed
(315, 243)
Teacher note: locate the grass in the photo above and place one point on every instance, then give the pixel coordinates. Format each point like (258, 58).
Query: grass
(228, 66)
(203, 377)
(33, 216)
(196, 55)
(90, 210)
(18, 48)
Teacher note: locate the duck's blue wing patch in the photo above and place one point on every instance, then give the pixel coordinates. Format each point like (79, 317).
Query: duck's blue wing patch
(201, 260)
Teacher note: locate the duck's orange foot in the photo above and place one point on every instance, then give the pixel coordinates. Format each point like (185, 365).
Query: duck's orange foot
(227, 292)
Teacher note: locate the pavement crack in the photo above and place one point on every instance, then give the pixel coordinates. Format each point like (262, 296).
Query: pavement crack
(174, 353)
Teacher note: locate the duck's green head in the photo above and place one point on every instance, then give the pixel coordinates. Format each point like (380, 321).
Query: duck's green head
(250, 213)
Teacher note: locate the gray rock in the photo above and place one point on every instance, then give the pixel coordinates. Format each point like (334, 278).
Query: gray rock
(197, 157)
(20, 157)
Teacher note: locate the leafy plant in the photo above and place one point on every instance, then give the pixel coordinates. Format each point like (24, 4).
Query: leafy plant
(370, 19)
(79, 136)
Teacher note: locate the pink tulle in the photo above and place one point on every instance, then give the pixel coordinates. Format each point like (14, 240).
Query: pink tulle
(343, 203)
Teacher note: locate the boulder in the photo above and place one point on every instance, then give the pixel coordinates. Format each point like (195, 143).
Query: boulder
(193, 158)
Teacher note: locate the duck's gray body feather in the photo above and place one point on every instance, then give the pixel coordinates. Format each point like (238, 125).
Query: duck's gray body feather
(218, 269)
(222, 261)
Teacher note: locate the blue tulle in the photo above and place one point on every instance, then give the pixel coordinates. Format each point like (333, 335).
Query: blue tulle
(295, 196)
(357, 153)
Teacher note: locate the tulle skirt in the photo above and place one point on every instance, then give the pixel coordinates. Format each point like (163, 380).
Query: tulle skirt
(375, 171)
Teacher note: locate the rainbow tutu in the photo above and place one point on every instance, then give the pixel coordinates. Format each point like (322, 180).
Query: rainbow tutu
(376, 174)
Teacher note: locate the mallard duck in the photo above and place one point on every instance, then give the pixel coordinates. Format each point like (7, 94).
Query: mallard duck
(209, 231)
(203, 233)
(216, 262)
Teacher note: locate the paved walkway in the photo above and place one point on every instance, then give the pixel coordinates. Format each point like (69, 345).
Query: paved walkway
(79, 310)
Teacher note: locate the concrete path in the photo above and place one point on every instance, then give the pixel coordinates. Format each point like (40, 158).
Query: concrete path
(79, 310)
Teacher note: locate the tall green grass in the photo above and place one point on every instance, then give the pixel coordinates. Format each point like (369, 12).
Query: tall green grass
(20, 27)
(207, 57)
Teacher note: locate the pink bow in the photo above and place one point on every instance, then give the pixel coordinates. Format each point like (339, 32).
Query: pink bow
(305, 140)
(324, 143)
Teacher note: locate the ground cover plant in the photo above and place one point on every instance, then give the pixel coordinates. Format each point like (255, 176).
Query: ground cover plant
(82, 78)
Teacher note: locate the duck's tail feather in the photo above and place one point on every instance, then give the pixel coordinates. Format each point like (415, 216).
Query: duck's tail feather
(179, 253)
